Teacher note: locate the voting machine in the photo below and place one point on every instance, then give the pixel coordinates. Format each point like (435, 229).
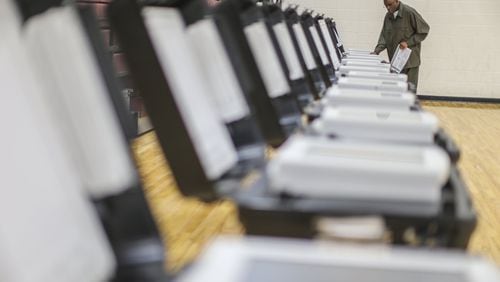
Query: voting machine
(86, 108)
(318, 51)
(261, 40)
(294, 21)
(231, 259)
(300, 79)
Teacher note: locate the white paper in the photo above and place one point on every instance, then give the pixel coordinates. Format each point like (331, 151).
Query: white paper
(289, 52)
(206, 129)
(304, 46)
(79, 101)
(319, 45)
(329, 44)
(267, 59)
(400, 59)
(217, 69)
(49, 231)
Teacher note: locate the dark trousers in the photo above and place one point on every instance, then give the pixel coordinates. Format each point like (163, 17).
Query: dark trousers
(412, 75)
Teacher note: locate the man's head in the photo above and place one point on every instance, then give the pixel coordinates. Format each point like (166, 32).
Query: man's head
(391, 5)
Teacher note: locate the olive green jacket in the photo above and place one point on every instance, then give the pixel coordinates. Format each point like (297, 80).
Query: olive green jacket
(408, 26)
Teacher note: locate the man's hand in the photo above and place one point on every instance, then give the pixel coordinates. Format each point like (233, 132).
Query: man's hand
(403, 45)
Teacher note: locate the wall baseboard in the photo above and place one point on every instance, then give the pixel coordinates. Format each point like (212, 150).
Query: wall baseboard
(459, 99)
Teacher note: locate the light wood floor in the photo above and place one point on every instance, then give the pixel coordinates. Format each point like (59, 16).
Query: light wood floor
(187, 224)
(476, 129)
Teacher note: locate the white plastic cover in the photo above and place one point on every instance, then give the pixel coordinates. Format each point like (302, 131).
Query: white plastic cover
(379, 125)
(253, 259)
(206, 129)
(337, 97)
(380, 76)
(289, 52)
(216, 66)
(366, 63)
(372, 84)
(79, 101)
(49, 230)
(339, 40)
(370, 57)
(343, 69)
(346, 61)
(357, 51)
(319, 45)
(365, 171)
(304, 46)
(267, 59)
(329, 43)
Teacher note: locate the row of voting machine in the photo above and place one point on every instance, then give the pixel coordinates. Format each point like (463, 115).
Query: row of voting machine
(370, 163)
(356, 158)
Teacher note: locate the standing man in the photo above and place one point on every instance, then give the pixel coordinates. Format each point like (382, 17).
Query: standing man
(403, 28)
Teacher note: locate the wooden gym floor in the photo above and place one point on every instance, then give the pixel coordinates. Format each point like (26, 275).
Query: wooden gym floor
(187, 225)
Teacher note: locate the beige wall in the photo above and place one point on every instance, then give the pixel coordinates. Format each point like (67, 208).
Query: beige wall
(461, 55)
